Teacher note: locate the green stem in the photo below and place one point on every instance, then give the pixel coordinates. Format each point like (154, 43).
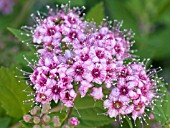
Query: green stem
(56, 109)
(68, 116)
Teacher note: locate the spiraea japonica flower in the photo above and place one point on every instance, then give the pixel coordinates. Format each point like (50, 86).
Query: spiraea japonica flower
(70, 51)
(135, 92)
(74, 121)
(77, 57)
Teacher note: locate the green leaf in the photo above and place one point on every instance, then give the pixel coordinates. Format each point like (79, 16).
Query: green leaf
(96, 13)
(162, 108)
(28, 54)
(2, 111)
(12, 95)
(91, 113)
(26, 125)
(118, 10)
(21, 35)
(129, 122)
(4, 122)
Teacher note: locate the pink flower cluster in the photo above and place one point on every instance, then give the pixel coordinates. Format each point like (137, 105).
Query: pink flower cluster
(76, 56)
(6, 6)
(132, 93)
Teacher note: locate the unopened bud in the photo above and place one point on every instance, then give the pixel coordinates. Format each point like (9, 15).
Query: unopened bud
(57, 124)
(33, 112)
(37, 108)
(44, 111)
(46, 118)
(45, 108)
(36, 126)
(27, 118)
(55, 119)
(36, 120)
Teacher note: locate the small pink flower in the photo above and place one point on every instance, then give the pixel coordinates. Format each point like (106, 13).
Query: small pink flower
(96, 73)
(42, 98)
(110, 74)
(54, 92)
(98, 54)
(67, 97)
(74, 121)
(97, 93)
(77, 71)
(84, 87)
(83, 55)
(138, 110)
(115, 107)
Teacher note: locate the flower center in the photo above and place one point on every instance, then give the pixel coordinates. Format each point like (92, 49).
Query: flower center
(56, 90)
(100, 54)
(43, 82)
(70, 61)
(124, 90)
(67, 96)
(138, 107)
(43, 97)
(71, 20)
(117, 105)
(144, 90)
(50, 48)
(109, 72)
(73, 35)
(84, 57)
(124, 73)
(117, 49)
(51, 31)
(79, 70)
(56, 76)
(65, 81)
(99, 37)
(95, 73)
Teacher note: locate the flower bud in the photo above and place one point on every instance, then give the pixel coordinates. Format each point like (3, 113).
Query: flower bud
(36, 126)
(74, 121)
(44, 111)
(56, 121)
(33, 112)
(45, 108)
(27, 118)
(46, 118)
(36, 120)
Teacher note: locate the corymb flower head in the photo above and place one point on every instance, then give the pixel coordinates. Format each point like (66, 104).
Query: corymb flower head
(71, 51)
(79, 58)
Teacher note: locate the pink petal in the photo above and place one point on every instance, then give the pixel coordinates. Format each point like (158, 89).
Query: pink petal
(115, 92)
(107, 103)
(112, 113)
(70, 71)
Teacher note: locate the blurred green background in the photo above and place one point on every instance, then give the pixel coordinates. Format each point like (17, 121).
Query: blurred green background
(149, 20)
